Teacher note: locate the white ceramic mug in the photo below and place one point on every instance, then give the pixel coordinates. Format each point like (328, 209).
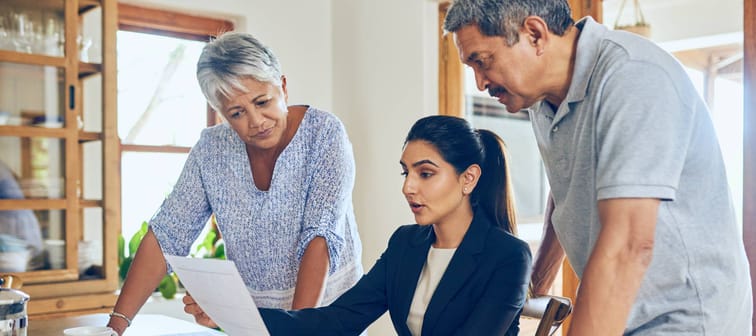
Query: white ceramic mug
(90, 331)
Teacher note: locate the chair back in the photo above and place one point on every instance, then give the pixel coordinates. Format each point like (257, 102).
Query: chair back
(550, 310)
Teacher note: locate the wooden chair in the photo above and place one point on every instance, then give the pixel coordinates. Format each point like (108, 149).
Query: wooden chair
(550, 310)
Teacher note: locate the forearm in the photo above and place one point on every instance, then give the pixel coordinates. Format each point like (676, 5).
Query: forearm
(616, 267)
(549, 257)
(146, 271)
(313, 271)
(607, 292)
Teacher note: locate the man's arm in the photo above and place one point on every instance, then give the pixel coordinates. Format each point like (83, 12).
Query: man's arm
(313, 271)
(616, 266)
(549, 257)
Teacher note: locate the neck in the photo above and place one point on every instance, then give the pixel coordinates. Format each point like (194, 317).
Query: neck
(450, 231)
(562, 66)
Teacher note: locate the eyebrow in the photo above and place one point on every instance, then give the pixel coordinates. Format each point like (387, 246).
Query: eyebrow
(253, 100)
(419, 163)
(473, 57)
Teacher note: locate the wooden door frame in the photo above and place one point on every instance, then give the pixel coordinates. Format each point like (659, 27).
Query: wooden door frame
(451, 72)
(749, 139)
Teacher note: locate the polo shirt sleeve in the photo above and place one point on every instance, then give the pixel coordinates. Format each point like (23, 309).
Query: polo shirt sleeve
(329, 190)
(643, 132)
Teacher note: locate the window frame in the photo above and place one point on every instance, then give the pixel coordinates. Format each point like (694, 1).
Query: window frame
(173, 24)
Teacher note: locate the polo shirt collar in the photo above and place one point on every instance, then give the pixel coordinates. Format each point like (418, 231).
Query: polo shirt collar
(588, 49)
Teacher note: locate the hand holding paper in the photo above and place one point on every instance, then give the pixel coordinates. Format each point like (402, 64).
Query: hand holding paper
(219, 289)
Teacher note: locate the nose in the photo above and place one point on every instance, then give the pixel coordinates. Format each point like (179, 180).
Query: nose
(481, 80)
(408, 188)
(255, 119)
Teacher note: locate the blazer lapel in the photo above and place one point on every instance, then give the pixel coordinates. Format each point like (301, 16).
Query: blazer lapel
(409, 270)
(461, 267)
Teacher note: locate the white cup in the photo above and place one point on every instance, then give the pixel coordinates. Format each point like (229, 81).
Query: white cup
(90, 331)
(56, 253)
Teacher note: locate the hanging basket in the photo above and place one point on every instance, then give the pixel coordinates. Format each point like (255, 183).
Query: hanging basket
(639, 25)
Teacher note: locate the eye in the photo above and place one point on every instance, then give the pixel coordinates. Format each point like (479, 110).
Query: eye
(235, 114)
(426, 174)
(262, 103)
(403, 173)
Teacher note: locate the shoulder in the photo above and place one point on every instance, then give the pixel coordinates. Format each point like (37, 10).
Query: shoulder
(215, 134)
(629, 58)
(322, 122)
(407, 233)
(215, 139)
(502, 244)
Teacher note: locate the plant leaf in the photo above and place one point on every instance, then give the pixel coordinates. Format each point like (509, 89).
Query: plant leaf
(121, 250)
(124, 268)
(168, 286)
(136, 239)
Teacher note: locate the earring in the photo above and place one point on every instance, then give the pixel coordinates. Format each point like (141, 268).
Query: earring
(464, 190)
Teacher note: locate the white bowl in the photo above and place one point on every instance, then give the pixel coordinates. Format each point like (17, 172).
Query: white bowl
(15, 261)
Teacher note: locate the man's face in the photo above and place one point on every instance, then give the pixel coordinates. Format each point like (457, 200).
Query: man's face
(512, 74)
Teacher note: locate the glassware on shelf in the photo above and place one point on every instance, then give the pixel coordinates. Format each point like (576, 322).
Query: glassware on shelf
(84, 43)
(31, 31)
(24, 33)
(5, 34)
(53, 37)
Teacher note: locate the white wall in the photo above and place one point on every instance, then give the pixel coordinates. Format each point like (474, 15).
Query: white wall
(385, 64)
(299, 32)
(672, 20)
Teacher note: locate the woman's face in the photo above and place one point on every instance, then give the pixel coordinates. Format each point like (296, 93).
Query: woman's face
(432, 186)
(259, 115)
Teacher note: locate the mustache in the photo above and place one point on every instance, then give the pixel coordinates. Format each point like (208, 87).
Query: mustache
(495, 91)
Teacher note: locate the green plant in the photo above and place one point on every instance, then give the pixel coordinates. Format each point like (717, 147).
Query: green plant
(168, 285)
(211, 246)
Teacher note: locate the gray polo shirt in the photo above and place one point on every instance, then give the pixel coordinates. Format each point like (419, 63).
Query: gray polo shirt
(633, 126)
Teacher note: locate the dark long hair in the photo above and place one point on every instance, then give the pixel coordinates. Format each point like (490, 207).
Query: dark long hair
(461, 145)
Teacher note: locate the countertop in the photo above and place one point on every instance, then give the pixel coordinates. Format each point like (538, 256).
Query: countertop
(143, 325)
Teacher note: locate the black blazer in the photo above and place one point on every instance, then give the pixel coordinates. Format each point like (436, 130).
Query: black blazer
(481, 293)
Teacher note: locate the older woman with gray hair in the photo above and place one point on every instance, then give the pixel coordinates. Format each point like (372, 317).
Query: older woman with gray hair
(279, 180)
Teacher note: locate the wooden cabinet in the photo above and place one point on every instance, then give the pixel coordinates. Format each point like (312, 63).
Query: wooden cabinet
(59, 143)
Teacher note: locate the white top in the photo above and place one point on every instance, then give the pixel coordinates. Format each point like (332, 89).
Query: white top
(435, 266)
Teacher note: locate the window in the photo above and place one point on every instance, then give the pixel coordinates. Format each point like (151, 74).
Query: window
(161, 110)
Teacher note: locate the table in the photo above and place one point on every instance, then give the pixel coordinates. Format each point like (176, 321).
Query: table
(143, 325)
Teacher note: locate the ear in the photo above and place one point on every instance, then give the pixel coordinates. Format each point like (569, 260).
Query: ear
(283, 87)
(469, 178)
(536, 31)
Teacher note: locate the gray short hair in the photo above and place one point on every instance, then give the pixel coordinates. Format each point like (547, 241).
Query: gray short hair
(505, 17)
(230, 58)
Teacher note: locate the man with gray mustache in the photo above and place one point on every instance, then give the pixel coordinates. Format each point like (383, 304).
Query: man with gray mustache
(639, 199)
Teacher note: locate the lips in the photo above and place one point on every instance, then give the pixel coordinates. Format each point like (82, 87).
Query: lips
(416, 207)
(264, 134)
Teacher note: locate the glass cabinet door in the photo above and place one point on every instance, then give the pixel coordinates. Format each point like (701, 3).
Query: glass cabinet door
(59, 153)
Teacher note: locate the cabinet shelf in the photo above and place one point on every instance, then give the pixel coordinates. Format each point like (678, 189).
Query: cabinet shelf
(42, 276)
(32, 204)
(89, 69)
(32, 59)
(85, 203)
(32, 131)
(54, 5)
(87, 5)
(89, 136)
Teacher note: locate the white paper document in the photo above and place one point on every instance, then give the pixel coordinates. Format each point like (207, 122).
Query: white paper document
(219, 289)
